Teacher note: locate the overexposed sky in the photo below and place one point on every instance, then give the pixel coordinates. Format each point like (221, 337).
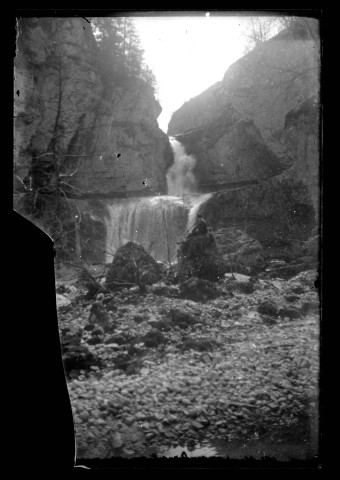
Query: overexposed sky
(188, 54)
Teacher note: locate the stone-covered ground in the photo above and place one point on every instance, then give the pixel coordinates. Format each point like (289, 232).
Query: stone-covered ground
(168, 371)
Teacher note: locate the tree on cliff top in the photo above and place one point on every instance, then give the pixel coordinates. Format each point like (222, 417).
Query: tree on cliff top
(120, 53)
(261, 28)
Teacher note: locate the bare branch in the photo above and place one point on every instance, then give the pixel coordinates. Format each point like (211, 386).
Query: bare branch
(71, 186)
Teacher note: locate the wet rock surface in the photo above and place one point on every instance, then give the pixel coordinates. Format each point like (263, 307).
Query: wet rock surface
(244, 368)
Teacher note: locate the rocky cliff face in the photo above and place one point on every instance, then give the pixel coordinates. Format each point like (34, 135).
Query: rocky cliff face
(70, 132)
(301, 136)
(133, 153)
(261, 118)
(260, 124)
(230, 148)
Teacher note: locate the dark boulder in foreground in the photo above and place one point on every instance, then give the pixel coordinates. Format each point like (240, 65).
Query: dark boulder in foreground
(154, 338)
(99, 315)
(132, 264)
(198, 290)
(182, 319)
(76, 356)
(268, 308)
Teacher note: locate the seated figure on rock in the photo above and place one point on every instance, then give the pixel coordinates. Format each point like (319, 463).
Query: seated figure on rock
(198, 255)
(198, 239)
(200, 227)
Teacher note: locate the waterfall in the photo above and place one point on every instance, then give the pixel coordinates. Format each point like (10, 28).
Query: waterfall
(180, 177)
(157, 223)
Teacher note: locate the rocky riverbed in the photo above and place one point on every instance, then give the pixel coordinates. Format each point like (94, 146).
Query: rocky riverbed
(165, 371)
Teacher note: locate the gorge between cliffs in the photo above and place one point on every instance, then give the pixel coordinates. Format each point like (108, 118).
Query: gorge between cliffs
(175, 342)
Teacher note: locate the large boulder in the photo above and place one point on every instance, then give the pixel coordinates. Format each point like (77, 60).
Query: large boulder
(132, 264)
(240, 252)
(198, 257)
(278, 213)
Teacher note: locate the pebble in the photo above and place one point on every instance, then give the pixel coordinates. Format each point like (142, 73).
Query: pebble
(117, 441)
(84, 415)
(129, 420)
(194, 381)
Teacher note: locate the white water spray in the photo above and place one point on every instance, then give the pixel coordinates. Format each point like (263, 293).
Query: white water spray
(182, 182)
(180, 176)
(157, 223)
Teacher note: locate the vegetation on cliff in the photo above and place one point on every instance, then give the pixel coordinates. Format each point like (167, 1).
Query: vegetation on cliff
(120, 55)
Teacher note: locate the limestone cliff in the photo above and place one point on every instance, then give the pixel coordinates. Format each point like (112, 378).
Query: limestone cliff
(255, 136)
(230, 148)
(71, 132)
(255, 122)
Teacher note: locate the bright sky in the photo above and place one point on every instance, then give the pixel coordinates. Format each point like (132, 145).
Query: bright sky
(188, 54)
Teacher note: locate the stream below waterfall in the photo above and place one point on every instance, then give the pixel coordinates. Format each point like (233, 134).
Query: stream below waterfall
(157, 223)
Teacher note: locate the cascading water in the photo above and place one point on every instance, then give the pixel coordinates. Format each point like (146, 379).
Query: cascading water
(180, 177)
(157, 223)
